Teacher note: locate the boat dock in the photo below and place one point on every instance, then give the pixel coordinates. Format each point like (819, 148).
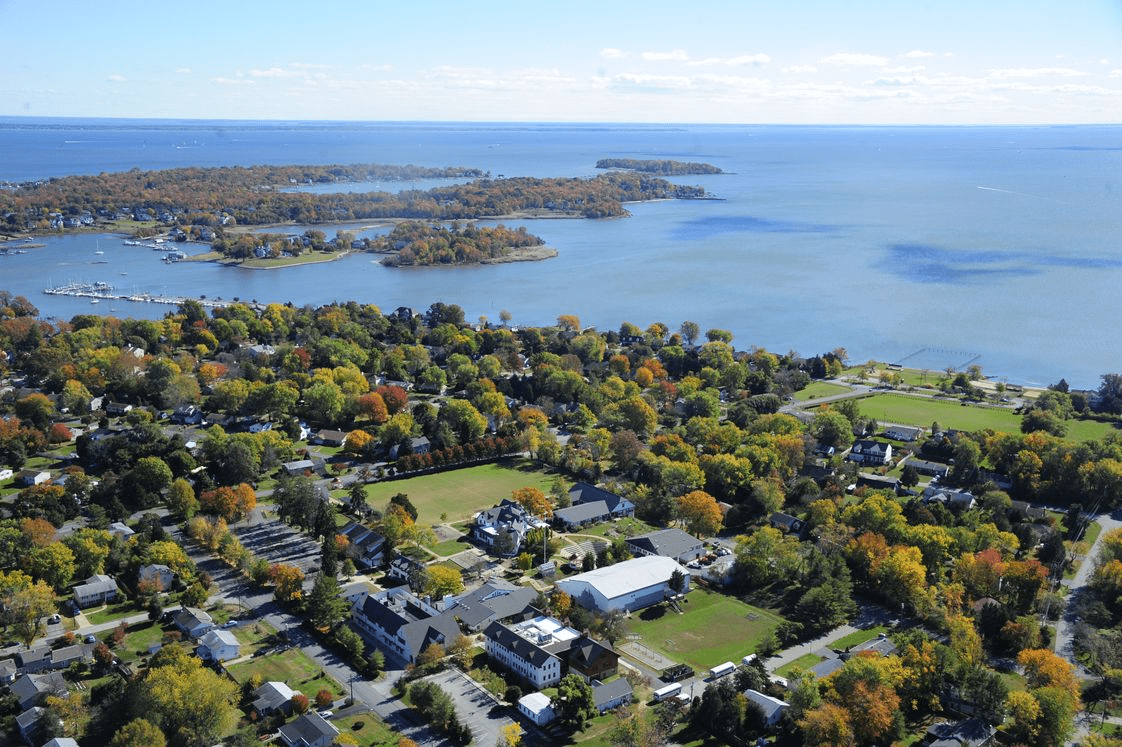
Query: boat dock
(104, 291)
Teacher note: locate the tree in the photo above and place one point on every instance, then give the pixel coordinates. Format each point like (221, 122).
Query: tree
(27, 607)
(300, 703)
(181, 498)
(442, 580)
(139, 732)
(573, 703)
(534, 501)
(326, 607)
(288, 580)
(182, 697)
(53, 563)
(700, 512)
(509, 736)
(689, 331)
(832, 428)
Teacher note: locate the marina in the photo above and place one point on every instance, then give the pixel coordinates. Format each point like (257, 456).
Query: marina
(101, 291)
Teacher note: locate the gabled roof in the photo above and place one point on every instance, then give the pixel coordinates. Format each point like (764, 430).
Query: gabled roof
(521, 647)
(586, 652)
(669, 543)
(309, 728)
(218, 638)
(607, 693)
(271, 696)
(582, 512)
(770, 705)
(623, 578)
(495, 600)
(582, 492)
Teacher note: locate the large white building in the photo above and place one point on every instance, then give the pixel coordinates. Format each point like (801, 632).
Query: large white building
(532, 649)
(630, 585)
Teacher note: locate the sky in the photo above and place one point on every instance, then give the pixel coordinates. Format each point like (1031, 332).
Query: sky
(689, 61)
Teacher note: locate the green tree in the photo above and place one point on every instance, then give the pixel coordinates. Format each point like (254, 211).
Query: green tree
(326, 607)
(27, 608)
(573, 703)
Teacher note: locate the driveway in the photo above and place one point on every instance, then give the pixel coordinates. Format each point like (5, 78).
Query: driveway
(483, 713)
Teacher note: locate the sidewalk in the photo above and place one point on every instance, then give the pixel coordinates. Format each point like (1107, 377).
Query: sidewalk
(787, 656)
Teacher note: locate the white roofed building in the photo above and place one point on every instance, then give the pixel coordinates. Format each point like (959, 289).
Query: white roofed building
(630, 585)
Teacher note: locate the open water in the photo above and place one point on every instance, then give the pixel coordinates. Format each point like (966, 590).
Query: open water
(931, 246)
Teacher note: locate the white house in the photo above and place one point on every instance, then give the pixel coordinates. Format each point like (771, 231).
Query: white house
(532, 649)
(401, 624)
(273, 697)
(630, 585)
(219, 645)
(870, 452)
(537, 708)
(773, 708)
(97, 589)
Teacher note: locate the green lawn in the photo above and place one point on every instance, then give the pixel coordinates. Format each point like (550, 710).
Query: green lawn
(629, 527)
(715, 628)
(803, 663)
(292, 666)
(923, 411)
(859, 636)
(368, 730)
(460, 493)
(137, 641)
(817, 389)
(111, 612)
(450, 547)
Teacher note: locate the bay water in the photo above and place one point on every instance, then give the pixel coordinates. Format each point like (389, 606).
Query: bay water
(930, 246)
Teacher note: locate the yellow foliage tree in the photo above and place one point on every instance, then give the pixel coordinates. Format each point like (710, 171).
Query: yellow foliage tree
(700, 512)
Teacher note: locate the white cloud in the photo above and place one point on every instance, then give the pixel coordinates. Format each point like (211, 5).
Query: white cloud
(677, 55)
(183, 71)
(273, 72)
(640, 82)
(800, 69)
(1037, 72)
(233, 81)
(116, 78)
(904, 70)
(1116, 73)
(855, 59)
(917, 53)
(611, 53)
(738, 61)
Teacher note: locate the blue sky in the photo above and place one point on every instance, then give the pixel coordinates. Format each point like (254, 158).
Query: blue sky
(743, 61)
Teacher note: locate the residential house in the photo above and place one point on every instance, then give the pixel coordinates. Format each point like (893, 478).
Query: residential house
(537, 707)
(34, 659)
(61, 658)
(869, 452)
(786, 523)
(121, 530)
(972, 732)
(592, 660)
(668, 543)
(902, 432)
(618, 506)
(773, 708)
(331, 438)
(494, 600)
(302, 467)
(194, 622)
(405, 568)
(932, 469)
(273, 697)
(33, 689)
(533, 649)
(8, 671)
(418, 445)
(6, 474)
(957, 499)
(117, 409)
(503, 527)
(612, 695)
(32, 723)
(402, 624)
(97, 589)
(310, 730)
(29, 477)
(61, 742)
(187, 415)
(627, 586)
(219, 645)
(366, 547)
(157, 576)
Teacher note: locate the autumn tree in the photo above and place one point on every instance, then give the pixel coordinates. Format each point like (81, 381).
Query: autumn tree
(442, 580)
(182, 697)
(534, 501)
(700, 512)
(288, 580)
(26, 607)
(140, 732)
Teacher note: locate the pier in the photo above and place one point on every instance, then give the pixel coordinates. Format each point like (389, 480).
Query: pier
(105, 292)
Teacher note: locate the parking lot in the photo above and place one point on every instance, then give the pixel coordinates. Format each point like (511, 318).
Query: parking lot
(276, 542)
(476, 707)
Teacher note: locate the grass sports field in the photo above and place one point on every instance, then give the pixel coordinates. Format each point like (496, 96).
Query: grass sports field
(922, 411)
(817, 389)
(460, 493)
(715, 628)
